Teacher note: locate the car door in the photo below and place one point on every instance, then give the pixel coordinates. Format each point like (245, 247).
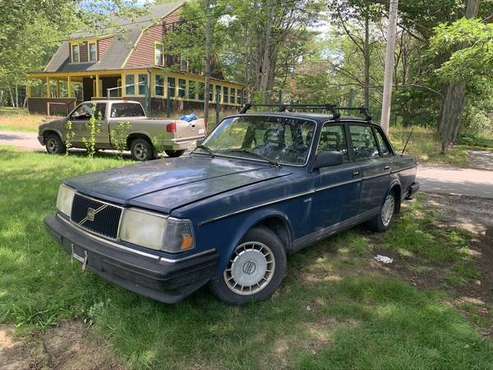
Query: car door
(374, 167)
(80, 118)
(337, 190)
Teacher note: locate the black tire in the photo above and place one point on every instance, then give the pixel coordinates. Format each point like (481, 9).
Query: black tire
(383, 220)
(247, 261)
(142, 150)
(54, 145)
(174, 153)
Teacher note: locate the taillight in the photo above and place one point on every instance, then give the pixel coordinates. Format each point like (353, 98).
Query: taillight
(171, 127)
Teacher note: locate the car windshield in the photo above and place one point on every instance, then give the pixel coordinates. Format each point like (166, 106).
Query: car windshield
(270, 138)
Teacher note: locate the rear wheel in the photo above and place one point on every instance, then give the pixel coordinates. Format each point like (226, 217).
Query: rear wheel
(174, 153)
(382, 221)
(254, 271)
(142, 150)
(54, 145)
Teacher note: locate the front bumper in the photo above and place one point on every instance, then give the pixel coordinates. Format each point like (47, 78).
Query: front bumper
(41, 140)
(165, 280)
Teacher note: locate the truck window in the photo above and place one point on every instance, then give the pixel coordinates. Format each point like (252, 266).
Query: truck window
(126, 110)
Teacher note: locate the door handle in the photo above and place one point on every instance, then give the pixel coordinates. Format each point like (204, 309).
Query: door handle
(386, 168)
(355, 173)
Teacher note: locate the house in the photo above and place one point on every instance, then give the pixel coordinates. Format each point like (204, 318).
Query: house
(130, 63)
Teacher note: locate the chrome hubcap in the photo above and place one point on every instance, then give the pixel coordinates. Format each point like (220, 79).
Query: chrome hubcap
(250, 269)
(388, 210)
(140, 151)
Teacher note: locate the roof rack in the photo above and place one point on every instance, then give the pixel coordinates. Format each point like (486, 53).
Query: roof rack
(332, 108)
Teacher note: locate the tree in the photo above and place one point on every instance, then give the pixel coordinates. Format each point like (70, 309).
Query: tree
(454, 97)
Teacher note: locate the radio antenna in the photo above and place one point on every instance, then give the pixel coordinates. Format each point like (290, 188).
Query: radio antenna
(407, 141)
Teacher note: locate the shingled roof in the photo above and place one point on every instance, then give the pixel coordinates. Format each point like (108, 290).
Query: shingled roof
(125, 33)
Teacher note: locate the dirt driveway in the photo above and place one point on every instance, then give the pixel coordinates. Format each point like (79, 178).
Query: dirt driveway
(456, 181)
(21, 140)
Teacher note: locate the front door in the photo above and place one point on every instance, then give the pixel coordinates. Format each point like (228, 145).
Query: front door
(337, 190)
(80, 118)
(374, 167)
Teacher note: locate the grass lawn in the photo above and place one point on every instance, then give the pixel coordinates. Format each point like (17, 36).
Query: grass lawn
(337, 308)
(12, 119)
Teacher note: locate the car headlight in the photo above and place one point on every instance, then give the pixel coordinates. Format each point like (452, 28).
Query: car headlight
(156, 232)
(65, 199)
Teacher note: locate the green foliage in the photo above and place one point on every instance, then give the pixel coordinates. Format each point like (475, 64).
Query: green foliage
(469, 42)
(69, 135)
(94, 126)
(119, 137)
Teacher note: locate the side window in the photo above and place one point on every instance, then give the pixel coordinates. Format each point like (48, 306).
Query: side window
(364, 145)
(126, 110)
(83, 112)
(384, 148)
(100, 111)
(333, 139)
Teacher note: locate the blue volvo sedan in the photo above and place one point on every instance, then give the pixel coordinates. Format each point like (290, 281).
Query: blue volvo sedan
(261, 186)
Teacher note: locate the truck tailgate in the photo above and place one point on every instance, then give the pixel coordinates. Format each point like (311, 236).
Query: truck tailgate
(190, 130)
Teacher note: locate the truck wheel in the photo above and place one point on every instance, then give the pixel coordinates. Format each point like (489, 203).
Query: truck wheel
(54, 145)
(174, 153)
(254, 271)
(142, 150)
(382, 221)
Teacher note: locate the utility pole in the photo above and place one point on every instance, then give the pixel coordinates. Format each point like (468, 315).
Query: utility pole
(208, 57)
(389, 66)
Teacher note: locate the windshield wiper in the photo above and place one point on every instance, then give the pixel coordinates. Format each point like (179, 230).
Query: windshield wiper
(260, 156)
(205, 148)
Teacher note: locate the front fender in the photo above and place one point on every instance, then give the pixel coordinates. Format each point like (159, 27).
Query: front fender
(250, 221)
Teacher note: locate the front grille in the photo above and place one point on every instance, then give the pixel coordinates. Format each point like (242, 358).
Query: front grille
(98, 217)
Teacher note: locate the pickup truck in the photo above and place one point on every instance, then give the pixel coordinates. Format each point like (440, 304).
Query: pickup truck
(145, 137)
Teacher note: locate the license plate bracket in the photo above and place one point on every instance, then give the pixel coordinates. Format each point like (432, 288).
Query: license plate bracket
(76, 255)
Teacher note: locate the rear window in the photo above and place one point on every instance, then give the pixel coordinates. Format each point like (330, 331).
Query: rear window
(126, 110)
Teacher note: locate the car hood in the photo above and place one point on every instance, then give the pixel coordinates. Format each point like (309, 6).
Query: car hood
(168, 184)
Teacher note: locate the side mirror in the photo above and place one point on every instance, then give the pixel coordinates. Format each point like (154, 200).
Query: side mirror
(328, 159)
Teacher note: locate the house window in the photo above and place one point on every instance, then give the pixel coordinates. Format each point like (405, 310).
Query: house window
(182, 86)
(75, 54)
(192, 89)
(93, 52)
(130, 85)
(159, 85)
(171, 87)
(233, 96)
(226, 95)
(201, 91)
(239, 97)
(212, 91)
(158, 54)
(143, 84)
(218, 94)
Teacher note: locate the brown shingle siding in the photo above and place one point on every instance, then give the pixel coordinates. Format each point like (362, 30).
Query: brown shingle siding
(143, 53)
(103, 46)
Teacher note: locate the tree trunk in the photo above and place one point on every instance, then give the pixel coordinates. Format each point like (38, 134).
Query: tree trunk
(453, 104)
(366, 48)
(12, 100)
(266, 64)
(208, 53)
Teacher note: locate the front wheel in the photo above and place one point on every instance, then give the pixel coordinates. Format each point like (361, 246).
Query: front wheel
(254, 271)
(142, 150)
(382, 221)
(174, 153)
(54, 145)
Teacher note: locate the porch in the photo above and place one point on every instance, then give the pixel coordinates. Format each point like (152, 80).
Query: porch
(160, 92)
